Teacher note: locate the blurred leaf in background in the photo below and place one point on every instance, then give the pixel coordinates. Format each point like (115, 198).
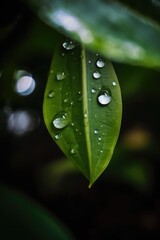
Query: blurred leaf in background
(20, 218)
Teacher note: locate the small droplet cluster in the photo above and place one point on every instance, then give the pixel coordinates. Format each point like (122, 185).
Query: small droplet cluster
(103, 95)
(62, 119)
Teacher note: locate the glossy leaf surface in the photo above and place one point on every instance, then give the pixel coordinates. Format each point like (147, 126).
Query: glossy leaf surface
(107, 26)
(82, 107)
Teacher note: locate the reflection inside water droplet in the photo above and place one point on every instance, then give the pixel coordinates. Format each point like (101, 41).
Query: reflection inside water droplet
(96, 75)
(61, 120)
(104, 97)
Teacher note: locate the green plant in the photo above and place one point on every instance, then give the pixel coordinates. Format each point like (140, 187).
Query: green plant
(80, 35)
(114, 31)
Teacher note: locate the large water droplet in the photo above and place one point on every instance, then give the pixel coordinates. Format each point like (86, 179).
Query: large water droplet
(104, 97)
(69, 44)
(60, 76)
(96, 75)
(114, 83)
(61, 120)
(51, 94)
(100, 63)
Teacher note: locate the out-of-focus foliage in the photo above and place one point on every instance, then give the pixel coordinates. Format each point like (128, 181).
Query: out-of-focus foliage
(108, 27)
(22, 219)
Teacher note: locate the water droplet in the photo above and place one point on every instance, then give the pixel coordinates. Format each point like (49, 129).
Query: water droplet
(100, 63)
(104, 97)
(96, 75)
(57, 136)
(101, 151)
(51, 94)
(93, 90)
(60, 76)
(72, 103)
(85, 115)
(73, 151)
(95, 131)
(79, 92)
(89, 61)
(69, 44)
(61, 120)
(114, 83)
(99, 138)
(66, 100)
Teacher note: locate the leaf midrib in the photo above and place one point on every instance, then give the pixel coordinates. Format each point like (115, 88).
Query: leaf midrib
(85, 109)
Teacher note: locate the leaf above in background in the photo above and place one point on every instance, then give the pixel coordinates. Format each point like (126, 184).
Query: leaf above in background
(20, 218)
(82, 107)
(107, 26)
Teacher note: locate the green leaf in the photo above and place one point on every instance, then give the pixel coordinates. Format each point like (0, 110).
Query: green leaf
(20, 218)
(82, 107)
(109, 27)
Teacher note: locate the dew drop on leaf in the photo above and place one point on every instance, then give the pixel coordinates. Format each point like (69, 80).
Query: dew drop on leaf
(104, 97)
(96, 75)
(69, 44)
(51, 94)
(100, 63)
(95, 131)
(114, 83)
(99, 138)
(57, 136)
(61, 120)
(93, 90)
(66, 100)
(60, 76)
(73, 151)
